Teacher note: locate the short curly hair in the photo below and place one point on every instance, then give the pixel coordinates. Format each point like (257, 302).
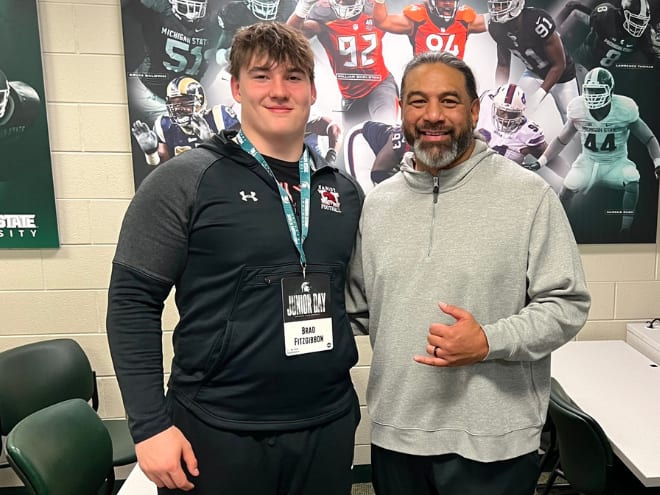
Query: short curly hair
(278, 42)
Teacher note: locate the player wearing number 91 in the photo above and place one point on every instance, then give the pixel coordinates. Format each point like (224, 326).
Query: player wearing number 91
(434, 25)
(529, 33)
(604, 121)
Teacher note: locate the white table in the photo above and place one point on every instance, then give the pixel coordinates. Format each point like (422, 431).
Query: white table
(620, 388)
(646, 340)
(137, 484)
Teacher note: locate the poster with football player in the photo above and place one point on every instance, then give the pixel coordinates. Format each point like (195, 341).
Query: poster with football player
(27, 199)
(542, 103)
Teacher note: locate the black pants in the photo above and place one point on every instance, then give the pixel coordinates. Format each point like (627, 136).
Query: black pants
(314, 461)
(397, 474)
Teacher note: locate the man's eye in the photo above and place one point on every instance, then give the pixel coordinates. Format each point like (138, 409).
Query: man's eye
(449, 103)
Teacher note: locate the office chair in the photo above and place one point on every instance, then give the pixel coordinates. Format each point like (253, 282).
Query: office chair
(585, 454)
(63, 449)
(35, 376)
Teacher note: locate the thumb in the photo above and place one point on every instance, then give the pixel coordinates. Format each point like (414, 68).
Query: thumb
(454, 311)
(190, 459)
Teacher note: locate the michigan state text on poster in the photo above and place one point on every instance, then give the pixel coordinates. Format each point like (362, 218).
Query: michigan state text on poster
(568, 89)
(27, 199)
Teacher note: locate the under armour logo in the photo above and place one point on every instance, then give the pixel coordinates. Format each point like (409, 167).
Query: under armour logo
(252, 196)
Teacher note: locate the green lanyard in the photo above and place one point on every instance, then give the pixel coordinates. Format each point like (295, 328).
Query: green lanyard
(304, 168)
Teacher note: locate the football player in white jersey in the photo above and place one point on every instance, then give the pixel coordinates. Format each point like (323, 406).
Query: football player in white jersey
(604, 121)
(508, 131)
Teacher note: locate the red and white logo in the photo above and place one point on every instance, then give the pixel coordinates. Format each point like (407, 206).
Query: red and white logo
(329, 199)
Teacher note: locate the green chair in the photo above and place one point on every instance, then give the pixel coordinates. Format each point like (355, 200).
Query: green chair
(35, 376)
(63, 449)
(585, 455)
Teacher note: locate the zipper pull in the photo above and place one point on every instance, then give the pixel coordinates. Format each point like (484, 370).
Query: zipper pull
(436, 188)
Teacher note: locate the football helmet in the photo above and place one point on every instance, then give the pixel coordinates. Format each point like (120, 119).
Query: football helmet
(185, 97)
(636, 16)
(597, 88)
(189, 10)
(508, 109)
(444, 9)
(504, 11)
(265, 10)
(346, 9)
(4, 93)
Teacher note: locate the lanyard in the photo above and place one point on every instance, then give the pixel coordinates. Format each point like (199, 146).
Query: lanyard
(297, 236)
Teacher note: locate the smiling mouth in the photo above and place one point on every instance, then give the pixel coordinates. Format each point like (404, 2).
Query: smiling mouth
(433, 133)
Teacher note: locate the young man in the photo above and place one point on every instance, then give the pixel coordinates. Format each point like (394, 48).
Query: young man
(529, 34)
(259, 273)
(470, 241)
(605, 122)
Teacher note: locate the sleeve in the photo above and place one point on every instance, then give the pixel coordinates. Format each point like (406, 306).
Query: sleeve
(151, 253)
(356, 298)
(544, 25)
(557, 297)
(466, 13)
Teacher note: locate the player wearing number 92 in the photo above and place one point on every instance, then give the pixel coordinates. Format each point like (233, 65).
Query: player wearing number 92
(529, 33)
(434, 25)
(354, 46)
(604, 121)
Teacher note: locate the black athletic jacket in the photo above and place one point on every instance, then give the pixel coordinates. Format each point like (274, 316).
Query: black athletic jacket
(194, 224)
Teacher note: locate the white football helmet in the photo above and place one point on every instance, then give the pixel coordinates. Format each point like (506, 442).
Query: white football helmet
(185, 97)
(508, 110)
(597, 88)
(265, 10)
(504, 11)
(4, 93)
(444, 9)
(189, 10)
(346, 9)
(636, 16)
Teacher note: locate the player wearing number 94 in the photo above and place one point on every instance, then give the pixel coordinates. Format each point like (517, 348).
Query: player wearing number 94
(432, 25)
(604, 121)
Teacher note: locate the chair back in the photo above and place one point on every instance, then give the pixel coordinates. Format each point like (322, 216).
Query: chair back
(35, 376)
(585, 453)
(63, 449)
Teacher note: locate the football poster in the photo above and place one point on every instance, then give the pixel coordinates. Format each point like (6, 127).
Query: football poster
(568, 90)
(27, 200)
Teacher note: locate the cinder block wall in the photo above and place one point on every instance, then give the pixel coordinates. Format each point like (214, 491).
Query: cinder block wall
(55, 293)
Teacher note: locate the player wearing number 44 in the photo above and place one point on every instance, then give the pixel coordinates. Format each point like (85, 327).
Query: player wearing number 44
(604, 121)
(530, 34)
(434, 25)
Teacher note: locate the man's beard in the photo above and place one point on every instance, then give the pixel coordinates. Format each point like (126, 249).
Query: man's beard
(439, 157)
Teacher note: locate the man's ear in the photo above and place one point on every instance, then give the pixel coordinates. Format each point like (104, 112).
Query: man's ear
(235, 89)
(313, 93)
(474, 111)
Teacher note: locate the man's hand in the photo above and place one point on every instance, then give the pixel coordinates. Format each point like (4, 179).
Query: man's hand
(303, 8)
(331, 156)
(145, 137)
(542, 161)
(656, 164)
(533, 166)
(459, 344)
(201, 127)
(160, 458)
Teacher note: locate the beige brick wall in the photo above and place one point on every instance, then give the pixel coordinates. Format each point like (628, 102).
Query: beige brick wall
(54, 293)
